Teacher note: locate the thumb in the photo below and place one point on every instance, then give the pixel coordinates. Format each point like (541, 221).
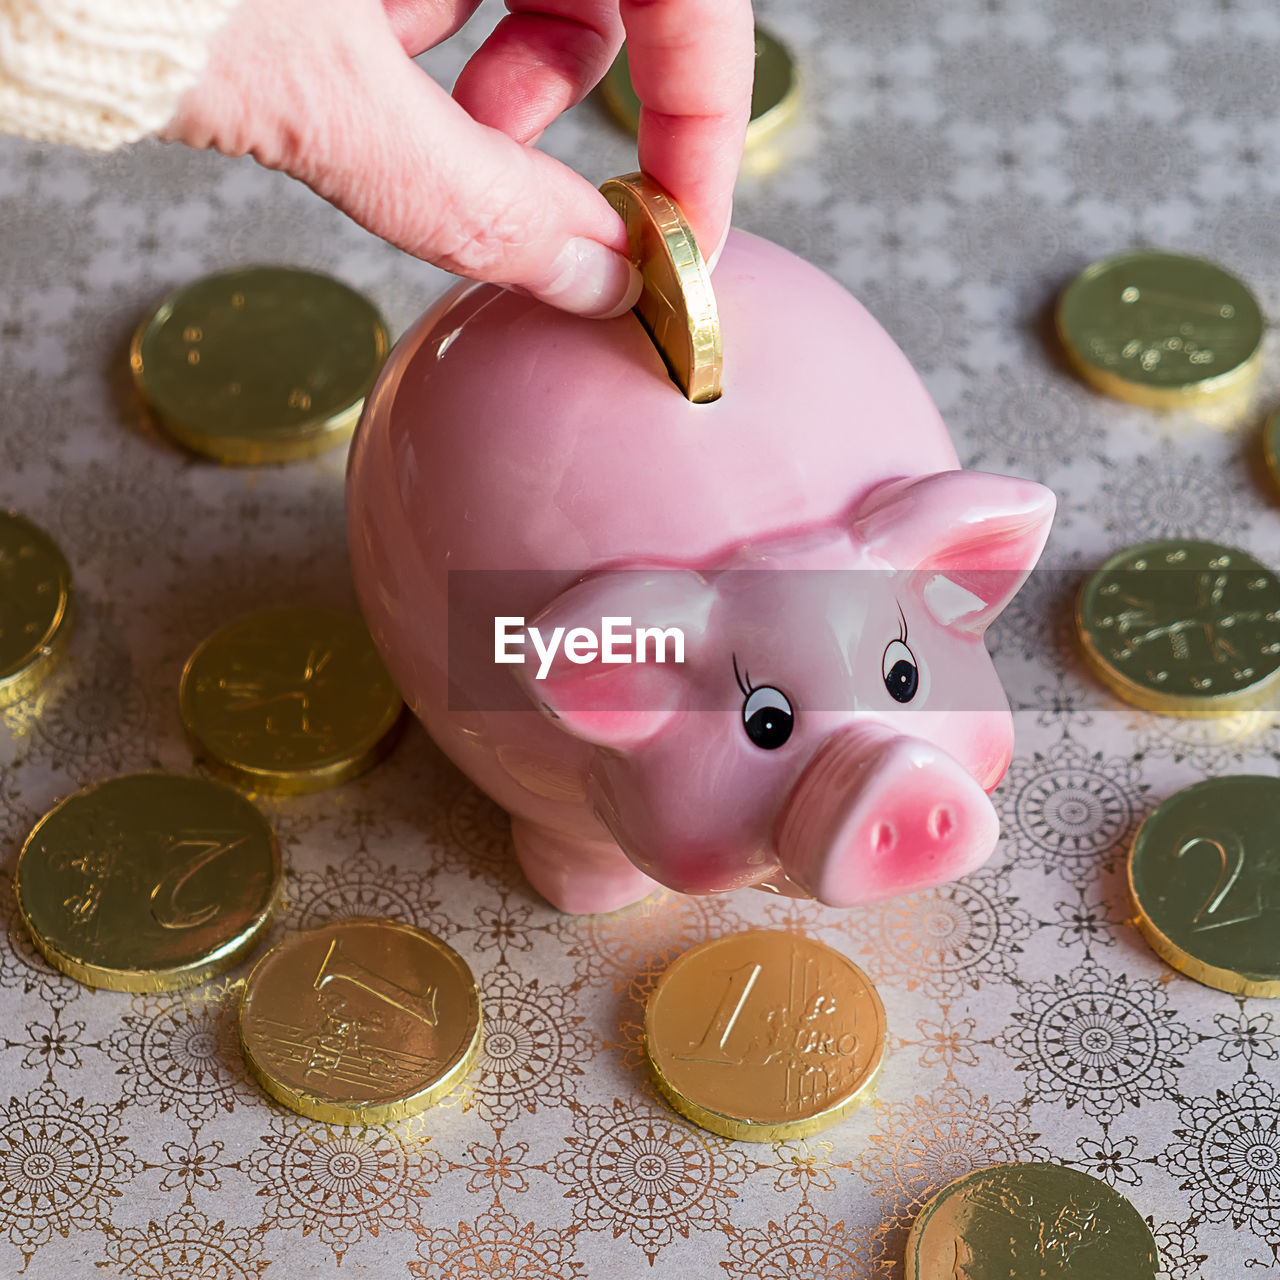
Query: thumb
(329, 96)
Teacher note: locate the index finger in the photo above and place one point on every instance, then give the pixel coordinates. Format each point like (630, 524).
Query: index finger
(692, 63)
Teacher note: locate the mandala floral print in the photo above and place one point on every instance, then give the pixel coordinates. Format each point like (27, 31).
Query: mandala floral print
(344, 1185)
(1097, 1041)
(644, 1175)
(64, 1163)
(1226, 1150)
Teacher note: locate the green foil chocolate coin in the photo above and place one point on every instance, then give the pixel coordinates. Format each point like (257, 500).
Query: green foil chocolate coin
(148, 882)
(1028, 1222)
(263, 364)
(1204, 876)
(35, 605)
(1183, 628)
(1161, 329)
(290, 700)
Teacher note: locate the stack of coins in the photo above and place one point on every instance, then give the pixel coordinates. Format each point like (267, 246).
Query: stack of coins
(263, 364)
(1162, 330)
(677, 304)
(1183, 627)
(148, 882)
(290, 700)
(360, 1022)
(35, 606)
(775, 90)
(764, 1036)
(1029, 1221)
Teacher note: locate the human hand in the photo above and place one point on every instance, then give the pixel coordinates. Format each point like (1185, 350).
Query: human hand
(326, 90)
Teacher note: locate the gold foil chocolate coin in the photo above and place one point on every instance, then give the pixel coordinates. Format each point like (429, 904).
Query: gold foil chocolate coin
(677, 304)
(290, 700)
(360, 1022)
(1183, 628)
(1161, 329)
(35, 605)
(263, 364)
(1028, 1222)
(1204, 876)
(764, 1036)
(148, 882)
(775, 91)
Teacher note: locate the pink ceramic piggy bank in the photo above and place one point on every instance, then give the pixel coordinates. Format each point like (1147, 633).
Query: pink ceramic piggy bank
(833, 724)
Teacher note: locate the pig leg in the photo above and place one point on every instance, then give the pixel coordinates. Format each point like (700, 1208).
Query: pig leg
(578, 876)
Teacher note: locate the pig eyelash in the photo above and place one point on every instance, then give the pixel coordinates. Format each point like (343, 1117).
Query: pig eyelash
(903, 634)
(744, 680)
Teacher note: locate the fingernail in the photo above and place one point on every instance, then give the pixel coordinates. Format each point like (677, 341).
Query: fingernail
(590, 280)
(724, 236)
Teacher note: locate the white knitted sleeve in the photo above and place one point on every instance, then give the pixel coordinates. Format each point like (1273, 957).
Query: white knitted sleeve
(100, 73)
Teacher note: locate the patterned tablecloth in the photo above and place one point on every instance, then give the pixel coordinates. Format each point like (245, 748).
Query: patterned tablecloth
(955, 162)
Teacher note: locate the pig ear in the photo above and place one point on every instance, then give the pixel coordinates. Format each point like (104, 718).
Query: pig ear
(979, 534)
(620, 704)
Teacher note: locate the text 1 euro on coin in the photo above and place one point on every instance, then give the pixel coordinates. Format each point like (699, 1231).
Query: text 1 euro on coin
(763, 1036)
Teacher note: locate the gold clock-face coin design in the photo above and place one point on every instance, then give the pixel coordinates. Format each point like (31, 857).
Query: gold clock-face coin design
(1183, 627)
(148, 882)
(35, 605)
(1204, 877)
(775, 90)
(290, 700)
(360, 1022)
(763, 1036)
(262, 364)
(1028, 1222)
(1161, 329)
(677, 304)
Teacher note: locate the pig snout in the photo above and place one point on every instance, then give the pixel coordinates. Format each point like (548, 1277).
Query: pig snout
(876, 814)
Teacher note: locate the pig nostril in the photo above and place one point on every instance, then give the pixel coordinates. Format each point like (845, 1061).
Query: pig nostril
(882, 837)
(941, 823)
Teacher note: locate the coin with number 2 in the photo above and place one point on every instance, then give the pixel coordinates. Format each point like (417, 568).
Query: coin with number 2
(1204, 876)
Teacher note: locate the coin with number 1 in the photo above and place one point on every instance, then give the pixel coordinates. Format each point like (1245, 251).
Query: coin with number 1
(763, 1035)
(360, 1022)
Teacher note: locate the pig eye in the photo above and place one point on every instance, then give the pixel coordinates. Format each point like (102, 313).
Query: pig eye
(901, 675)
(767, 717)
